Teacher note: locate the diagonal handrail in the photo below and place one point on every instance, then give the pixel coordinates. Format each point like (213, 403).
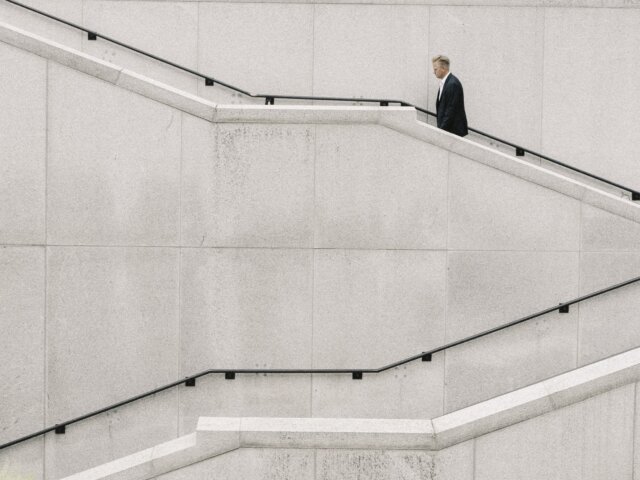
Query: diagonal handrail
(270, 98)
(356, 373)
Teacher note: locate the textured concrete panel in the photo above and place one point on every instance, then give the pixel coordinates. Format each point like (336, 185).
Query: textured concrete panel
(590, 114)
(69, 10)
(112, 325)
(603, 231)
(509, 43)
(249, 395)
(247, 184)
(414, 390)
(109, 436)
(22, 325)
(253, 463)
(455, 462)
(492, 210)
(262, 48)
(371, 51)
(166, 29)
(591, 440)
(376, 188)
(246, 308)
(114, 165)
(373, 464)
(23, 146)
(487, 289)
(25, 461)
(374, 307)
(510, 359)
(608, 323)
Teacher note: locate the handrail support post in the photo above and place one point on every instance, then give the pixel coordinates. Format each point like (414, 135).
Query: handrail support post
(519, 152)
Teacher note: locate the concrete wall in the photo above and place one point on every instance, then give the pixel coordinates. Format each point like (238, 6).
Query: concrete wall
(141, 244)
(590, 440)
(554, 76)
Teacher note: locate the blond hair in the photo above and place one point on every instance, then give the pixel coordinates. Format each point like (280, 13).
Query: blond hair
(441, 60)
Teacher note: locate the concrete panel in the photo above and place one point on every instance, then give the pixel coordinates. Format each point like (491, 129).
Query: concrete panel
(25, 461)
(69, 10)
(371, 51)
(491, 210)
(247, 395)
(414, 390)
(23, 146)
(510, 359)
(254, 463)
(114, 165)
(22, 325)
(166, 29)
(603, 231)
(112, 325)
(247, 185)
(126, 430)
(608, 323)
(259, 47)
(246, 308)
(373, 464)
(590, 440)
(455, 462)
(509, 43)
(487, 289)
(375, 307)
(376, 188)
(590, 114)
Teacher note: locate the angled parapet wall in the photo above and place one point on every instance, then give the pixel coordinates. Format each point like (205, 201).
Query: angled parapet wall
(148, 234)
(575, 425)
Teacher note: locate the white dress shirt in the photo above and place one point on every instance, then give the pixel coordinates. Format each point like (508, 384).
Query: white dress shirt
(442, 84)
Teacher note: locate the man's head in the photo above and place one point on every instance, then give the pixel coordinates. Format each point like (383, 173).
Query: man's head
(440, 66)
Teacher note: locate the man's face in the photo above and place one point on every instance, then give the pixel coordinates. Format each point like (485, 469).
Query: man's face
(439, 71)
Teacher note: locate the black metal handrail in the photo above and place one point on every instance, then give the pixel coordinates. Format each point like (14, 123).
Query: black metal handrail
(270, 99)
(356, 373)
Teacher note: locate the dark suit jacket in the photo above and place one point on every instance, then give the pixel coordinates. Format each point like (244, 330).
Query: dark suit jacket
(450, 108)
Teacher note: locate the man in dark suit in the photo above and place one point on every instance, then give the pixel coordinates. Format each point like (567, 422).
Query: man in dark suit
(450, 101)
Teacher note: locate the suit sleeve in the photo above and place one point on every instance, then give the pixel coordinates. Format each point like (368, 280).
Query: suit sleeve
(453, 107)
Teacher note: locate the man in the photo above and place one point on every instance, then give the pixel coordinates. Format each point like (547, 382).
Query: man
(450, 101)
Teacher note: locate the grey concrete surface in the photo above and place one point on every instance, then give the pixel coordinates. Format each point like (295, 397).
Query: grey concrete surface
(112, 325)
(247, 185)
(376, 189)
(246, 308)
(589, 440)
(23, 127)
(113, 168)
(22, 342)
(118, 185)
(489, 210)
(362, 41)
(146, 31)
